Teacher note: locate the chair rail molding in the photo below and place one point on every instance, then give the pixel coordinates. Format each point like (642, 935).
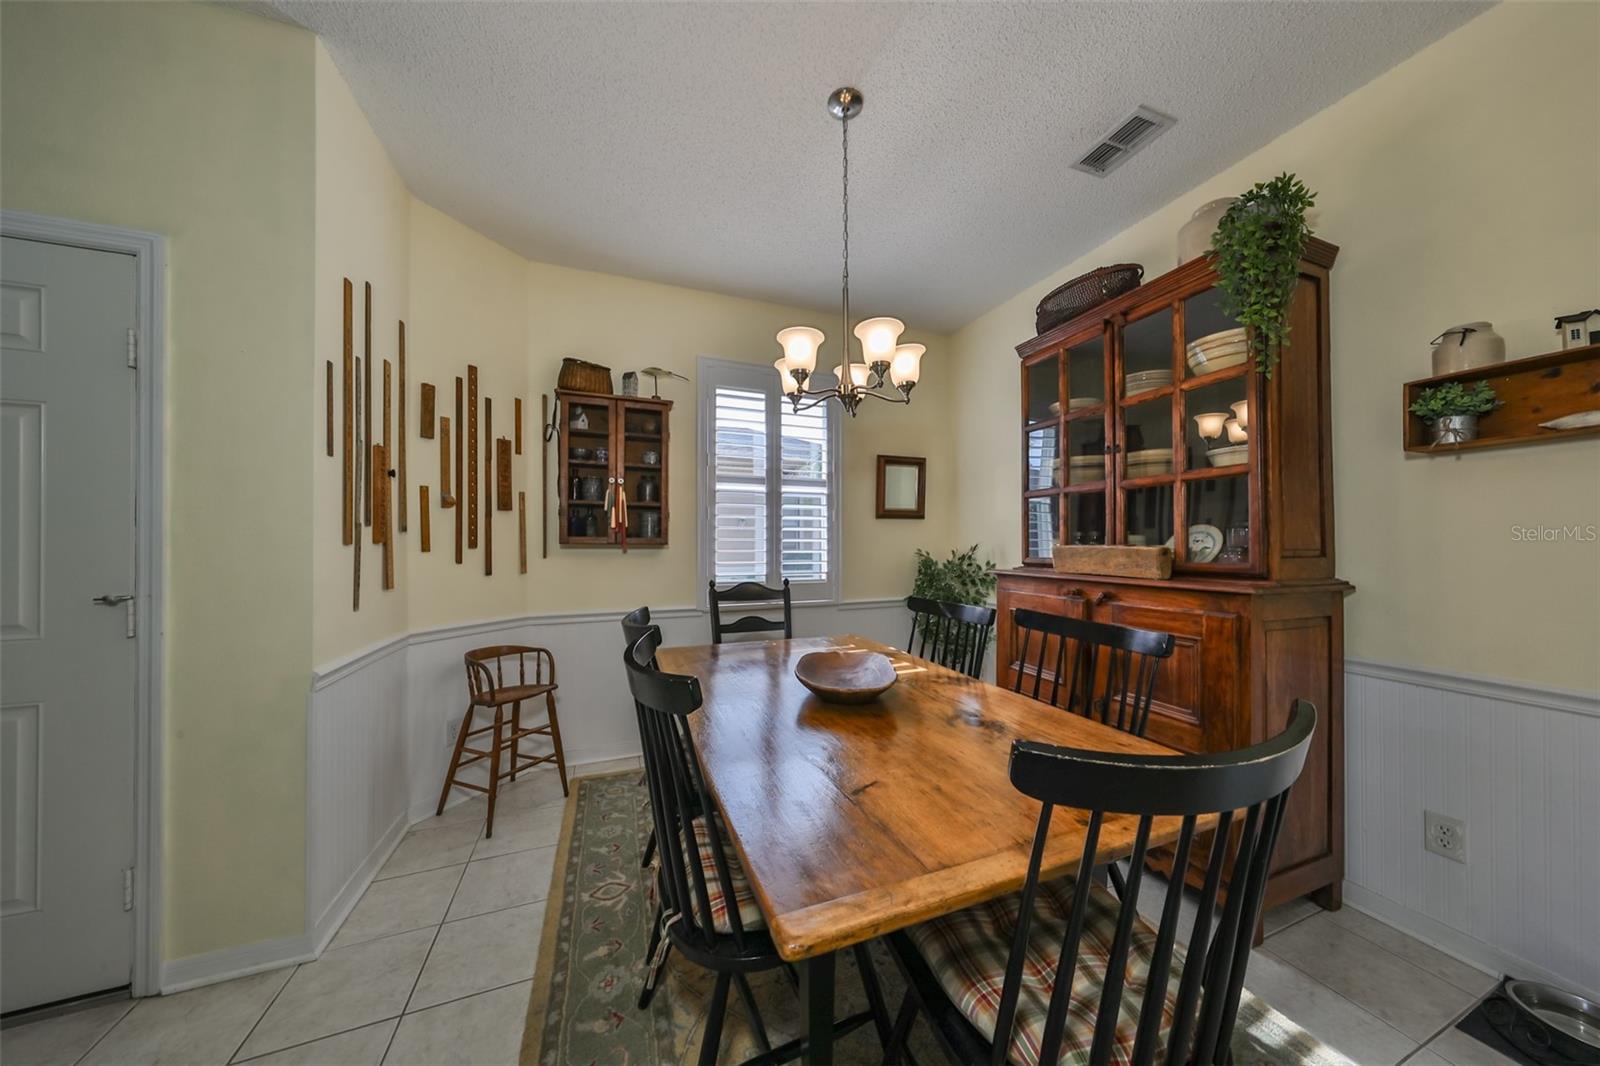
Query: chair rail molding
(1520, 764)
(1572, 701)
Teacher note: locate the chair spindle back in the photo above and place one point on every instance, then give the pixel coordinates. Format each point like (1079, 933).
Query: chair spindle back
(679, 797)
(1254, 781)
(1104, 672)
(954, 635)
(486, 668)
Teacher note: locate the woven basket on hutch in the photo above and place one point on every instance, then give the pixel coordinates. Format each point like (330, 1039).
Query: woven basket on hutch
(1086, 293)
(580, 376)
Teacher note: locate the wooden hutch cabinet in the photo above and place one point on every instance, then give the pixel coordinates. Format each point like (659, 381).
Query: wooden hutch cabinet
(1113, 453)
(606, 445)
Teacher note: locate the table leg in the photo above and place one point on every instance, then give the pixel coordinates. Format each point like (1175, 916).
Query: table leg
(816, 1008)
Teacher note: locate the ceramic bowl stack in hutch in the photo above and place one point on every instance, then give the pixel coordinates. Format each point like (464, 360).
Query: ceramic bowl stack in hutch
(1146, 380)
(1233, 455)
(1218, 351)
(1149, 462)
(1085, 469)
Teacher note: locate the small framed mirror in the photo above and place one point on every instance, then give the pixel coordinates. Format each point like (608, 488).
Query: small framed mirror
(902, 486)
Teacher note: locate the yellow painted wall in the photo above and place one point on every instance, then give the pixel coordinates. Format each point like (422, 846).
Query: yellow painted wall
(469, 305)
(363, 233)
(626, 324)
(473, 301)
(195, 121)
(1464, 184)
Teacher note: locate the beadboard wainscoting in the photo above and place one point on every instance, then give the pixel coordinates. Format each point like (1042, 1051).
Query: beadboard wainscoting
(1521, 766)
(357, 791)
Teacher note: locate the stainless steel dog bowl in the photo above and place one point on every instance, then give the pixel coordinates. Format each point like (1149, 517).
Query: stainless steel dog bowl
(1564, 1012)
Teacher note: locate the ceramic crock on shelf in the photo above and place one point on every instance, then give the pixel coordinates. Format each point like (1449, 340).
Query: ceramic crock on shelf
(1466, 346)
(1194, 239)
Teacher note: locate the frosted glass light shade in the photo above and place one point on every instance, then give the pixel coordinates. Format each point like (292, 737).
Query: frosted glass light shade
(878, 337)
(1236, 432)
(1210, 425)
(858, 374)
(1241, 411)
(800, 344)
(906, 366)
(790, 385)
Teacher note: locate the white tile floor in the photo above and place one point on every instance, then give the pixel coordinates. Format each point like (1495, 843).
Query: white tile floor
(434, 964)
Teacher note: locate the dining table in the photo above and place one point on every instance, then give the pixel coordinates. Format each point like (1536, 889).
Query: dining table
(855, 821)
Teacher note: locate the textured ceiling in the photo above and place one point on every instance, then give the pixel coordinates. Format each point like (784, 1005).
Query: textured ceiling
(687, 142)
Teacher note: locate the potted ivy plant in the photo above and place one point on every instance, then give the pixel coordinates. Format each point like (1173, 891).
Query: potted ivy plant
(1257, 247)
(962, 578)
(1452, 409)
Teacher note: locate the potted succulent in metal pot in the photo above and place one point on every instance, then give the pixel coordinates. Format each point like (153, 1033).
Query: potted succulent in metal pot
(1257, 247)
(1452, 409)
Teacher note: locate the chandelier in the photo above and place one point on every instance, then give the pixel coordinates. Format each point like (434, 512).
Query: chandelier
(883, 359)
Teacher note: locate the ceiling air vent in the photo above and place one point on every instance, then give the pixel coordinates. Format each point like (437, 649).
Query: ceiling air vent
(1126, 138)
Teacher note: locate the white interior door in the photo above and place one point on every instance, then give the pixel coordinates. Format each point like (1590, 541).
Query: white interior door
(67, 663)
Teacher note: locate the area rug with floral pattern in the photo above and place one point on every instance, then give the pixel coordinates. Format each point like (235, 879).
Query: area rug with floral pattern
(583, 1011)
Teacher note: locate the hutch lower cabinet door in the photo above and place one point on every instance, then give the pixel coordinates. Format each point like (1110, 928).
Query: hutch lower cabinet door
(1244, 651)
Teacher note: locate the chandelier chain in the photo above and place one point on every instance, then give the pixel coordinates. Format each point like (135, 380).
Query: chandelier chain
(845, 276)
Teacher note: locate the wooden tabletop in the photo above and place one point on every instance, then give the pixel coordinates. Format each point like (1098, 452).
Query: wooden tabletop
(856, 821)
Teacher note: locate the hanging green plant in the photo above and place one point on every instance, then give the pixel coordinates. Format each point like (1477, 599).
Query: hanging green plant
(1258, 245)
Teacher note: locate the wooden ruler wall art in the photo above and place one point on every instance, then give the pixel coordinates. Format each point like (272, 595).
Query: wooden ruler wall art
(367, 428)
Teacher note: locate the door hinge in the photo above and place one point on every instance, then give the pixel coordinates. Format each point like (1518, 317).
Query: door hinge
(133, 619)
(127, 888)
(133, 347)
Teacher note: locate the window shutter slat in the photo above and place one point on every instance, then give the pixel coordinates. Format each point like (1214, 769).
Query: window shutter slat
(739, 491)
(803, 509)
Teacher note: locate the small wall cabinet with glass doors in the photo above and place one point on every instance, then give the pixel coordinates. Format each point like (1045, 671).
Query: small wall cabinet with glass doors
(611, 449)
(1144, 421)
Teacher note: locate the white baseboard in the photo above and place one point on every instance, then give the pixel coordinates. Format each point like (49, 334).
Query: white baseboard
(225, 964)
(338, 909)
(1452, 941)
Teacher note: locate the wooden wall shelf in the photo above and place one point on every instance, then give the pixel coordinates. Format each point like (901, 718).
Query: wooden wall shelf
(1531, 391)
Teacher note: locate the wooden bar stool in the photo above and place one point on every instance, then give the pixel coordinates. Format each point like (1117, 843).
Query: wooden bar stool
(489, 691)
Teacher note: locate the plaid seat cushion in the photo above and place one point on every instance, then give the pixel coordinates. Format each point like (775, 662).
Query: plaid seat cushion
(967, 952)
(744, 898)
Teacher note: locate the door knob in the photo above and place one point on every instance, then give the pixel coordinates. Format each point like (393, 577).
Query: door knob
(113, 600)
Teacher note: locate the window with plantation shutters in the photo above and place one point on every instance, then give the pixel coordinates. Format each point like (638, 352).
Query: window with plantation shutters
(739, 493)
(770, 503)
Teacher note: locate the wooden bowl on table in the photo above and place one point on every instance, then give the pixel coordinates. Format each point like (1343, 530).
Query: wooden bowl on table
(849, 677)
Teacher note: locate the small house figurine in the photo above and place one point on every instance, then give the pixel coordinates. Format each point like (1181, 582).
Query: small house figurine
(1579, 329)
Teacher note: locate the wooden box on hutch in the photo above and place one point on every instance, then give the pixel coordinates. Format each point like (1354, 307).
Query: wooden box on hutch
(1114, 454)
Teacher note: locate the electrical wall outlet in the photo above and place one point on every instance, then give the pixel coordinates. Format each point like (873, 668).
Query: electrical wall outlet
(1444, 835)
(452, 726)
